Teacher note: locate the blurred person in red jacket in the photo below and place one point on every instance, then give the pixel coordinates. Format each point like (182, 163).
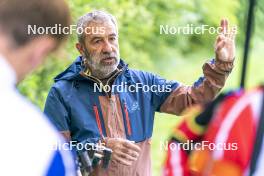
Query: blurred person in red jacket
(226, 138)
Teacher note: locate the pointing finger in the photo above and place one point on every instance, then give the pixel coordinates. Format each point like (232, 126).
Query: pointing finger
(226, 28)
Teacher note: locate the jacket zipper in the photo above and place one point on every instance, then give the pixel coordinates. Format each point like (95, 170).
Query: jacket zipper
(127, 120)
(92, 78)
(119, 71)
(98, 121)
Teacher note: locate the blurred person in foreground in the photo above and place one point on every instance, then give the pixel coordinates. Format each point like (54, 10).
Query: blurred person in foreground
(222, 138)
(122, 119)
(27, 137)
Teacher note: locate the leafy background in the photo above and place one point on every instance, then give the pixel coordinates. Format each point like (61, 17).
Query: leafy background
(178, 57)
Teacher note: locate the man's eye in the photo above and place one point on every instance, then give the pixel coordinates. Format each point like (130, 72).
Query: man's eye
(97, 41)
(112, 38)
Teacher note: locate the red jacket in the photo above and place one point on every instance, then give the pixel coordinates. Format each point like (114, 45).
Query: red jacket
(225, 145)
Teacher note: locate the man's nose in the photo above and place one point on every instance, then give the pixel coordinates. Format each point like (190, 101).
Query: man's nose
(107, 48)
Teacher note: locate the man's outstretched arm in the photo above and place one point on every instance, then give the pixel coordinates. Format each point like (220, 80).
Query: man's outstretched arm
(215, 74)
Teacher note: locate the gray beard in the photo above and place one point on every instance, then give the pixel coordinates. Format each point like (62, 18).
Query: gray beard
(100, 71)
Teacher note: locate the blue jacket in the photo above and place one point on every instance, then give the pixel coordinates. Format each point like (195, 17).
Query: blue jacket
(74, 105)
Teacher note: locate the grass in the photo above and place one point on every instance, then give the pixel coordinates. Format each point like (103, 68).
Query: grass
(164, 123)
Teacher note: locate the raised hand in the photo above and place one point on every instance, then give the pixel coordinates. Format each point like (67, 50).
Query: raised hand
(225, 42)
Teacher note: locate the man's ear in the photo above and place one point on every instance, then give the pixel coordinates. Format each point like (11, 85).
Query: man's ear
(39, 48)
(80, 48)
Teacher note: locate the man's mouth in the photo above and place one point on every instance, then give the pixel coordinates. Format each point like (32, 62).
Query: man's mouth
(108, 60)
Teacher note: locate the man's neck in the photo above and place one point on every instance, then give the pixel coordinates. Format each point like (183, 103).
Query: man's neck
(104, 80)
(7, 74)
(8, 56)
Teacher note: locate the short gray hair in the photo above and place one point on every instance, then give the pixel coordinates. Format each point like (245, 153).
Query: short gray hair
(96, 15)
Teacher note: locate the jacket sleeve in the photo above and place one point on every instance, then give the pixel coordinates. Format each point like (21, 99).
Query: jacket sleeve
(202, 91)
(56, 111)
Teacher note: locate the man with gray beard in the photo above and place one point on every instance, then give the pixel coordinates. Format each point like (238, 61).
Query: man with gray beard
(123, 121)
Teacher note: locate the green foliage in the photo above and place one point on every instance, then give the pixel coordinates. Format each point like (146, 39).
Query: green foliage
(141, 43)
